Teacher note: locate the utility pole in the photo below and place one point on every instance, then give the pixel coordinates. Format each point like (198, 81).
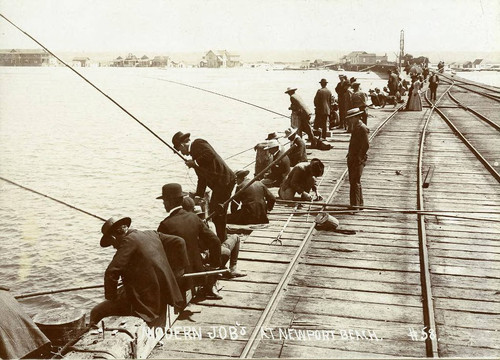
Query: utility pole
(401, 48)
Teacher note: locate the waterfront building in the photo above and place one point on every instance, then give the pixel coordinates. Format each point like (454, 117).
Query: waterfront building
(220, 59)
(28, 57)
(80, 62)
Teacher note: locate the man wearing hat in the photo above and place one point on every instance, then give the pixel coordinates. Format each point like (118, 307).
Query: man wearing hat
(298, 153)
(252, 204)
(300, 109)
(148, 264)
(213, 172)
(322, 103)
(344, 97)
(196, 234)
(277, 173)
(359, 100)
(356, 157)
(301, 180)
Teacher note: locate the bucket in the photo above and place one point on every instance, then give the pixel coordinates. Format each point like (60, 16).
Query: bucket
(60, 325)
(325, 221)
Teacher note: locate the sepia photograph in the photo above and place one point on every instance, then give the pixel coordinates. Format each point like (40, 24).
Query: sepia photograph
(297, 179)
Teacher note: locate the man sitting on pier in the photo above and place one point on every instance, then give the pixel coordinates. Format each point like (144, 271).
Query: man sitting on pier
(278, 171)
(197, 236)
(299, 153)
(252, 204)
(148, 263)
(301, 180)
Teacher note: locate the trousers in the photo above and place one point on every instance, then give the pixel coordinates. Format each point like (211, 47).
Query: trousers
(355, 191)
(230, 250)
(320, 123)
(219, 196)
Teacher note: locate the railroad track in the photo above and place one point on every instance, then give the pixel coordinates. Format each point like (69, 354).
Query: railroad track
(397, 287)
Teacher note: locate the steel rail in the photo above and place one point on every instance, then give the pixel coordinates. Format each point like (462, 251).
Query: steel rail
(425, 275)
(271, 306)
(492, 97)
(479, 115)
(476, 152)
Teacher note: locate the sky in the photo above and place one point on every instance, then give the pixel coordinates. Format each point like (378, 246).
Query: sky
(165, 26)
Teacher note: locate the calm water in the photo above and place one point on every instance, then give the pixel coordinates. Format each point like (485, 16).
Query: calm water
(61, 137)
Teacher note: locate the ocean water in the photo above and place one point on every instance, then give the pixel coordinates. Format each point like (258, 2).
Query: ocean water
(61, 137)
(485, 77)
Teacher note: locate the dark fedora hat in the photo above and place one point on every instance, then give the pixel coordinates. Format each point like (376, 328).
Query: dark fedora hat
(272, 136)
(109, 226)
(178, 138)
(241, 174)
(353, 79)
(323, 81)
(171, 191)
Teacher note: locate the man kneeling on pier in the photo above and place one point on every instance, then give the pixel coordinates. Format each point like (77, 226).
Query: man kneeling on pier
(252, 204)
(148, 263)
(301, 180)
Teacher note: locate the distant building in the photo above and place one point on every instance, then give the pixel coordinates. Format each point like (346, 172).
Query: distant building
(144, 61)
(359, 58)
(118, 61)
(305, 64)
(80, 62)
(220, 59)
(30, 57)
(161, 61)
(467, 65)
(477, 64)
(131, 60)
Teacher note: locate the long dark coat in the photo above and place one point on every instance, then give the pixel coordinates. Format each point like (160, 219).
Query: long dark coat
(148, 279)
(196, 234)
(299, 153)
(212, 171)
(256, 200)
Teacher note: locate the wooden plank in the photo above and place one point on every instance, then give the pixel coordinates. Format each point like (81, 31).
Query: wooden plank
(469, 305)
(469, 320)
(469, 337)
(364, 264)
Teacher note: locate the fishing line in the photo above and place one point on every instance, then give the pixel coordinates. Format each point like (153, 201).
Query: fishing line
(219, 94)
(51, 198)
(95, 87)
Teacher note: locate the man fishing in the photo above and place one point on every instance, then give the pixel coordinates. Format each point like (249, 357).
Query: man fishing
(213, 172)
(148, 263)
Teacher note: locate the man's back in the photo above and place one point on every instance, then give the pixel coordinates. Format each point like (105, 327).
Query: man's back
(147, 276)
(359, 143)
(196, 234)
(322, 101)
(256, 200)
(212, 170)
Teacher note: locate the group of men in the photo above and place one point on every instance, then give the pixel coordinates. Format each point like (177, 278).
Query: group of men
(152, 264)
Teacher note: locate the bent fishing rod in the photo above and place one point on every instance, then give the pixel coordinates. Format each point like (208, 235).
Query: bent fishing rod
(95, 87)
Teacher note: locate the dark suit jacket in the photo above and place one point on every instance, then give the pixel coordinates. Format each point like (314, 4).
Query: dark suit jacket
(256, 201)
(322, 101)
(433, 81)
(298, 154)
(149, 282)
(212, 171)
(196, 234)
(281, 169)
(359, 144)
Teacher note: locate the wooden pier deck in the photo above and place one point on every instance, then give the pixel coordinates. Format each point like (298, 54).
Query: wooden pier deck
(361, 296)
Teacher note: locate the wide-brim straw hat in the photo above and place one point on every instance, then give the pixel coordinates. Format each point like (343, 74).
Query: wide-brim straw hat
(290, 89)
(109, 226)
(353, 112)
(272, 144)
(289, 132)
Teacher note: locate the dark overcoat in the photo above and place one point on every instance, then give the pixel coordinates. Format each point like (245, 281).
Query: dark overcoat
(149, 282)
(299, 153)
(255, 201)
(359, 144)
(196, 234)
(322, 101)
(212, 170)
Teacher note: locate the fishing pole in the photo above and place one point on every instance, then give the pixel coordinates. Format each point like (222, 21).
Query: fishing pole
(219, 94)
(51, 198)
(95, 87)
(185, 276)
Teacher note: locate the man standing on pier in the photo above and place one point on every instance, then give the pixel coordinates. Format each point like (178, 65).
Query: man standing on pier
(213, 172)
(344, 96)
(433, 85)
(300, 109)
(356, 157)
(322, 103)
